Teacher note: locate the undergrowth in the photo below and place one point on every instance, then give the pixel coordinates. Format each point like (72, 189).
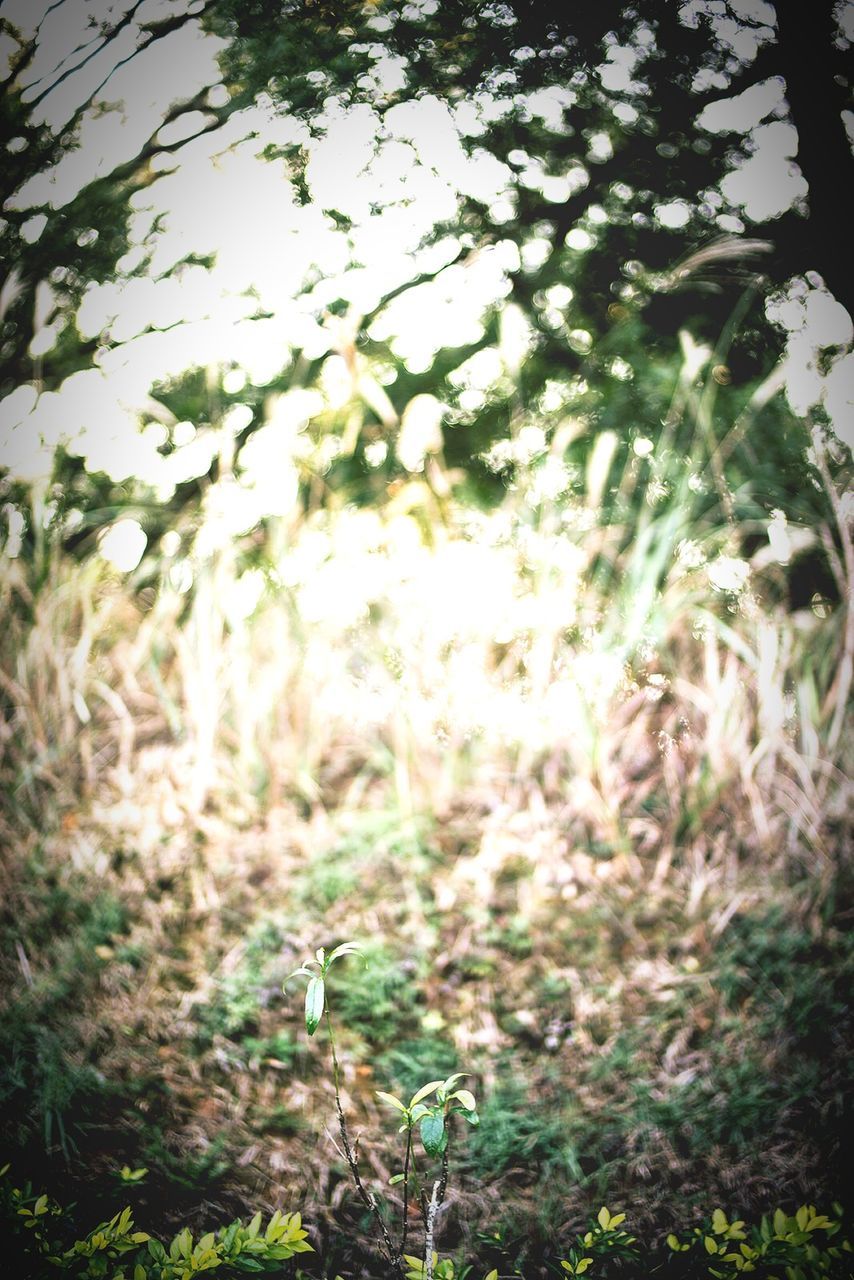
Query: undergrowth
(576, 777)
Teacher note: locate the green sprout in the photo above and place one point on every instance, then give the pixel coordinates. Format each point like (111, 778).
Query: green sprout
(315, 993)
(429, 1109)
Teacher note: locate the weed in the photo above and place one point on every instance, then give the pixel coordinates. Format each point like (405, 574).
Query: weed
(519, 1131)
(792, 983)
(235, 1008)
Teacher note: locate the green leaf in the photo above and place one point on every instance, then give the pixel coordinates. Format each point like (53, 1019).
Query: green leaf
(603, 1217)
(445, 1086)
(315, 995)
(308, 973)
(345, 949)
(423, 1092)
(182, 1245)
(472, 1117)
(433, 1134)
(395, 1178)
(719, 1222)
(391, 1100)
(466, 1098)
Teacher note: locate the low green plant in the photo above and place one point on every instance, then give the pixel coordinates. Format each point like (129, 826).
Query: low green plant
(116, 1249)
(805, 1246)
(433, 1119)
(42, 1236)
(441, 1269)
(604, 1240)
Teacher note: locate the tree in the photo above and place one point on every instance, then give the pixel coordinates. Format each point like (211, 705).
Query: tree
(625, 225)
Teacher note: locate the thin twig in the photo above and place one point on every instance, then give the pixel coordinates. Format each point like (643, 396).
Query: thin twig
(367, 1199)
(443, 1182)
(406, 1164)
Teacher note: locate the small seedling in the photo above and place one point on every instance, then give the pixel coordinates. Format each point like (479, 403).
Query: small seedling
(432, 1118)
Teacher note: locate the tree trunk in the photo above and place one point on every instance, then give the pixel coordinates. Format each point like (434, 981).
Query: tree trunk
(812, 69)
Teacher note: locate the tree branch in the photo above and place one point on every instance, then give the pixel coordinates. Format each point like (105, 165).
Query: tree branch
(107, 38)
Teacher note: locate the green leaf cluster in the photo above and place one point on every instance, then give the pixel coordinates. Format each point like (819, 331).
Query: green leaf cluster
(805, 1246)
(605, 1239)
(316, 971)
(433, 1119)
(116, 1250)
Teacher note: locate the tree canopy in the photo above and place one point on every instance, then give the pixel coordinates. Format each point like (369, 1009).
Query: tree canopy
(629, 173)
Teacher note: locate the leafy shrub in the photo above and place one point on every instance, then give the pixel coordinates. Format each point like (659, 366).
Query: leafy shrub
(44, 1246)
(806, 1246)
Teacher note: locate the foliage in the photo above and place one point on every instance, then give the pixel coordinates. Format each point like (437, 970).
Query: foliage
(116, 1249)
(603, 279)
(604, 1240)
(806, 1245)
